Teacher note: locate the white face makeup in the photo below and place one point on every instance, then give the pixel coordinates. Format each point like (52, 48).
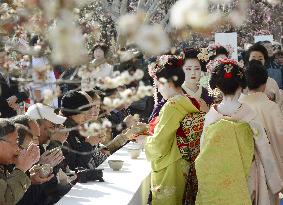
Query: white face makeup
(166, 89)
(192, 69)
(256, 55)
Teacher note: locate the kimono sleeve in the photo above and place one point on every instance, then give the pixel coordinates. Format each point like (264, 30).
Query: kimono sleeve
(266, 156)
(272, 88)
(160, 143)
(274, 122)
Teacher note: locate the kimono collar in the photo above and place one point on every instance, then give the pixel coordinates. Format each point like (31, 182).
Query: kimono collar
(244, 113)
(254, 97)
(191, 93)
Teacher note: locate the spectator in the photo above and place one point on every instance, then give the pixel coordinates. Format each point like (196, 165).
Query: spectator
(47, 120)
(75, 106)
(273, 68)
(259, 52)
(98, 156)
(10, 95)
(267, 111)
(14, 184)
(102, 70)
(40, 72)
(32, 125)
(278, 57)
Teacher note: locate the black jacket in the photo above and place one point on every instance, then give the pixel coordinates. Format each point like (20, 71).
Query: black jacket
(7, 91)
(81, 153)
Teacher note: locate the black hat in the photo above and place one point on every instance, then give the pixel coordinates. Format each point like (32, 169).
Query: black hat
(73, 103)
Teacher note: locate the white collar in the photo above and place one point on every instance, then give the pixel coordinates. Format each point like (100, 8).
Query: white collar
(191, 93)
(244, 113)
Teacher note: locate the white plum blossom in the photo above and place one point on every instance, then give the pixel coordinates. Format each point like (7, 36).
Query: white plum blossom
(152, 40)
(94, 128)
(128, 96)
(123, 78)
(193, 13)
(127, 55)
(67, 42)
(50, 8)
(129, 24)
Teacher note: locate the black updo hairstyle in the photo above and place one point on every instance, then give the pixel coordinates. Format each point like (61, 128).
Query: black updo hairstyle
(192, 53)
(172, 70)
(259, 48)
(256, 74)
(218, 51)
(228, 85)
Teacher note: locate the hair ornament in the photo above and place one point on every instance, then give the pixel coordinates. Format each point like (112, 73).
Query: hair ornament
(228, 74)
(159, 64)
(152, 69)
(205, 54)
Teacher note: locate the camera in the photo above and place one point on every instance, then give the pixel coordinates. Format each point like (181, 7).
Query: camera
(87, 175)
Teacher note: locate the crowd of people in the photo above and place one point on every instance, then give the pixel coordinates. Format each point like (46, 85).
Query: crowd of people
(218, 142)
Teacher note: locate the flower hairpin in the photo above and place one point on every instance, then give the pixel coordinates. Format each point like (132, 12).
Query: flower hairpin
(152, 69)
(228, 71)
(163, 60)
(205, 54)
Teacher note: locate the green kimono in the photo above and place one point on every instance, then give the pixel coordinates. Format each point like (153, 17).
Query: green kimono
(224, 163)
(168, 166)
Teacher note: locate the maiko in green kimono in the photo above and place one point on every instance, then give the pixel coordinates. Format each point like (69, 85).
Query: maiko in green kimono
(168, 166)
(227, 145)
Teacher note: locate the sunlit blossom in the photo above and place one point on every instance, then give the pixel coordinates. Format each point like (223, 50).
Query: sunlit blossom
(152, 40)
(67, 42)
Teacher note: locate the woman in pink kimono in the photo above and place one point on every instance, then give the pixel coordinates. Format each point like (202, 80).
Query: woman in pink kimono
(235, 164)
(268, 112)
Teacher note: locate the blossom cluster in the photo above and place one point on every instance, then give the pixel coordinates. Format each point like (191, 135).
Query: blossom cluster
(120, 79)
(127, 96)
(95, 128)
